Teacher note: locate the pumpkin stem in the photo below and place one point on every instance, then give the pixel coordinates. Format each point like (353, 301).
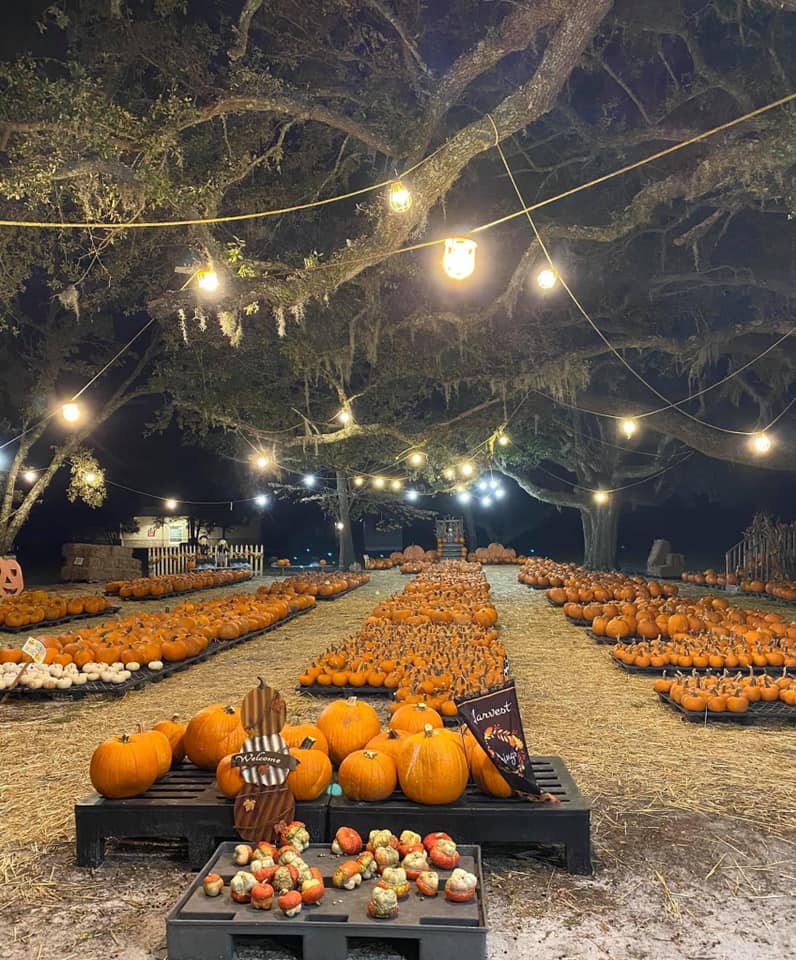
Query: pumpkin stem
(370, 754)
(229, 710)
(307, 743)
(351, 701)
(428, 730)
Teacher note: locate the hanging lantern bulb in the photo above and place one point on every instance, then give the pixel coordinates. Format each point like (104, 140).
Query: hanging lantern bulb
(416, 459)
(482, 484)
(486, 502)
(396, 484)
(261, 461)
(466, 469)
(261, 500)
(207, 279)
(547, 278)
(761, 443)
(600, 496)
(90, 477)
(458, 260)
(629, 427)
(359, 481)
(400, 198)
(463, 497)
(344, 416)
(309, 480)
(503, 439)
(29, 476)
(70, 412)
(449, 473)
(170, 504)
(499, 493)
(339, 525)
(411, 495)
(378, 483)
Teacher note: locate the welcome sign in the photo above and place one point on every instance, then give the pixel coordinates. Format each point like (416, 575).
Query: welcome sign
(494, 719)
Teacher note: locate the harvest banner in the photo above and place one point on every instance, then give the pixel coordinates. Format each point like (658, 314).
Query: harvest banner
(495, 721)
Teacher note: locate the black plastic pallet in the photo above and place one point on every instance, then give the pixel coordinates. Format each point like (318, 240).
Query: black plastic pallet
(428, 928)
(758, 712)
(181, 593)
(578, 622)
(342, 593)
(46, 624)
(316, 690)
(478, 818)
(144, 676)
(185, 805)
(671, 669)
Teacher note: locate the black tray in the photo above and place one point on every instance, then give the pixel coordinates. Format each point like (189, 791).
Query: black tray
(342, 593)
(185, 804)
(180, 593)
(348, 691)
(669, 669)
(476, 817)
(45, 624)
(759, 712)
(205, 928)
(144, 676)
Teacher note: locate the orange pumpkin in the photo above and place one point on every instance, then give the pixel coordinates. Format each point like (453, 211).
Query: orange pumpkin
(367, 775)
(312, 775)
(228, 778)
(212, 734)
(347, 725)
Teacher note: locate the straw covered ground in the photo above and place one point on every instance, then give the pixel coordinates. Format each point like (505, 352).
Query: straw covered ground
(694, 828)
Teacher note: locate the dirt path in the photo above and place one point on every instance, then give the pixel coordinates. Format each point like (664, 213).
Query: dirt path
(693, 828)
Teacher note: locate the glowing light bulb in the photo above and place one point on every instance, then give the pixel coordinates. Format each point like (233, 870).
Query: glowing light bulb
(400, 198)
(463, 497)
(494, 484)
(378, 483)
(90, 477)
(261, 461)
(466, 469)
(29, 476)
(486, 502)
(339, 525)
(359, 481)
(482, 485)
(207, 280)
(70, 412)
(344, 417)
(170, 504)
(547, 278)
(449, 473)
(629, 427)
(261, 500)
(411, 495)
(396, 485)
(416, 459)
(499, 493)
(600, 496)
(458, 260)
(309, 480)
(761, 443)
(503, 440)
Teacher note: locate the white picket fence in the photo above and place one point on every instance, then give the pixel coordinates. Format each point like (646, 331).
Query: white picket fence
(171, 560)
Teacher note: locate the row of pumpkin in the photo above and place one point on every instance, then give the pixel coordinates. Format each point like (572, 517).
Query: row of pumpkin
(431, 764)
(434, 641)
(164, 584)
(780, 588)
(33, 607)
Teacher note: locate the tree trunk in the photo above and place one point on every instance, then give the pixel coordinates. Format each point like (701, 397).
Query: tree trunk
(600, 534)
(470, 531)
(345, 540)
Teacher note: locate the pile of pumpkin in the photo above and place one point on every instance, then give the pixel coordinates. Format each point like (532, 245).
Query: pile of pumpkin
(496, 553)
(167, 584)
(706, 652)
(709, 578)
(39, 606)
(430, 763)
(725, 692)
(266, 873)
(315, 584)
(781, 589)
(434, 641)
(126, 645)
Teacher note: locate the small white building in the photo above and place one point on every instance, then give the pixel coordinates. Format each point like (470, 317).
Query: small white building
(172, 531)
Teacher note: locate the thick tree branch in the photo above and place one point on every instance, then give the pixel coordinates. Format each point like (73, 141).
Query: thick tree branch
(238, 51)
(559, 498)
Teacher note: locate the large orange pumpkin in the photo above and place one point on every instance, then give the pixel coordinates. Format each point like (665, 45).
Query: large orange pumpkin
(487, 776)
(312, 775)
(367, 775)
(162, 748)
(347, 726)
(212, 734)
(295, 734)
(228, 778)
(432, 767)
(123, 766)
(413, 717)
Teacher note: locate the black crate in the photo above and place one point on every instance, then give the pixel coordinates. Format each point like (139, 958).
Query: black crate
(478, 818)
(316, 690)
(46, 624)
(429, 928)
(185, 804)
(759, 712)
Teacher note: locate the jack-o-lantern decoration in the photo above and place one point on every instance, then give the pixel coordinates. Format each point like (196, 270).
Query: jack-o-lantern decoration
(11, 582)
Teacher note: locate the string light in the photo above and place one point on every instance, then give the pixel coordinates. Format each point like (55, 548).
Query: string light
(207, 280)
(458, 259)
(499, 493)
(261, 500)
(503, 440)
(309, 480)
(600, 496)
(486, 502)
(547, 279)
(29, 476)
(482, 485)
(396, 484)
(411, 495)
(90, 477)
(761, 443)
(344, 416)
(261, 461)
(466, 469)
(494, 484)
(449, 473)
(629, 427)
(70, 412)
(170, 504)
(339, 525)
(378, 483)
(416, 459)
(400, 198)
(359, 481)
(463, 497)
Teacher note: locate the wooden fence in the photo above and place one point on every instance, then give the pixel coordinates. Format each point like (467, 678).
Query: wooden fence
(768, 555)
(170, 560)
